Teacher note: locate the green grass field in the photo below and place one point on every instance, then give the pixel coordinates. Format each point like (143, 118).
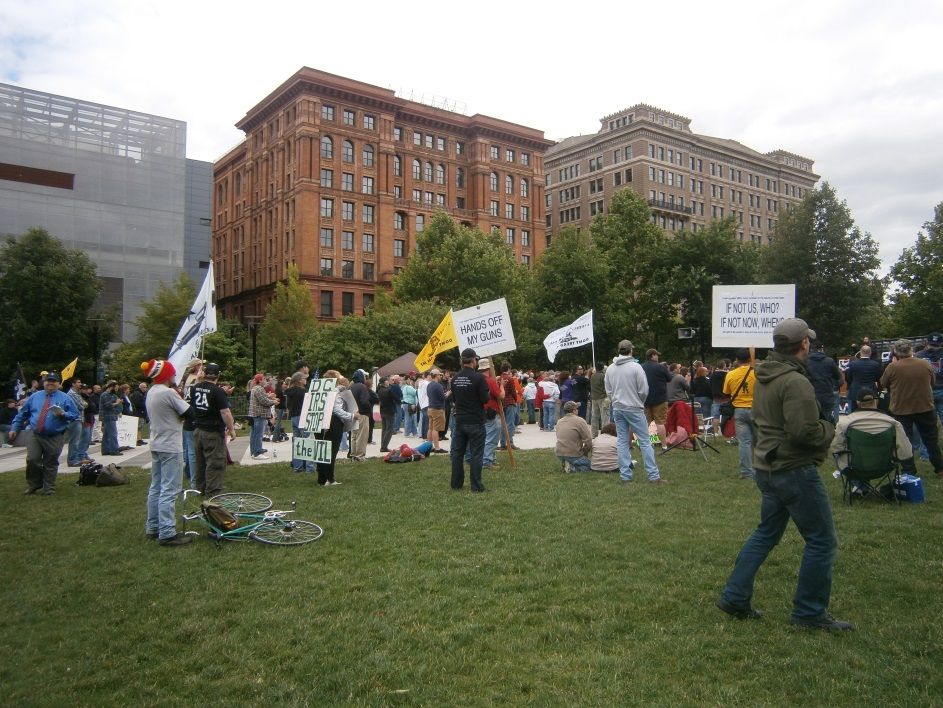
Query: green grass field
(550, 589)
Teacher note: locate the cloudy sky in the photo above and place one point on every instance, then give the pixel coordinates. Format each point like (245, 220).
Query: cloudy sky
(854, 85)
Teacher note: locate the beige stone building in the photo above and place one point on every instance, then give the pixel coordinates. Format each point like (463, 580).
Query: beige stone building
(688, 179)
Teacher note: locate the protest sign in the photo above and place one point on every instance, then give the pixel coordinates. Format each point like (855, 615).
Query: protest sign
(486, 328)
(745, 315)
(316, 451)
(318, 404)
(127, 431)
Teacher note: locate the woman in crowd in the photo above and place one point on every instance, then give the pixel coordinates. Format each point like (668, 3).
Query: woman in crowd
(605, 457)
(344, 417)
(294, 400)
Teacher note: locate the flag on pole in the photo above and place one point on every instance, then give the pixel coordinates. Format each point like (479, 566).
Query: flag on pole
(575, 334)
(200, 321)
(68, 371)
(441, 340)
(19, 387)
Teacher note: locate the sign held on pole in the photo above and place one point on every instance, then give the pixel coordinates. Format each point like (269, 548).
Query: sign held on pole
(745, 315)
(486, 328)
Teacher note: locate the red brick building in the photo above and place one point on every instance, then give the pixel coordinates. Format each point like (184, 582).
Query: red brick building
(338, 177)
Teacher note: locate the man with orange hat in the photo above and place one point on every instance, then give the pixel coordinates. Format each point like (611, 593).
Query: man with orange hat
(165, 410)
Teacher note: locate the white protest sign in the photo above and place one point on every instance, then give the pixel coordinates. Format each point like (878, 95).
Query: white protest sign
(127, 431)
(486, 328)
(745, 315)
(318, 405)
(317, 451)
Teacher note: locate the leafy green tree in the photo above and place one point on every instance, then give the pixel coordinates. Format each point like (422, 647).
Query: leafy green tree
(833, 263)
(631, 243)
(288, 321)
(229, 346)
(47, 293)
(919, 275)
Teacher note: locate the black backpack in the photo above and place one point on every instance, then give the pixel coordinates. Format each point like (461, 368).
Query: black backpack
(88, 474)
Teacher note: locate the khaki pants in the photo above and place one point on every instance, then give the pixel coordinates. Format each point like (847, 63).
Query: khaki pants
(358, 438)
(599, 414)
(210, 461)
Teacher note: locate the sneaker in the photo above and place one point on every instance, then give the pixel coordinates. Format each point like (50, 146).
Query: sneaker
(440, 451)
(180, 539)
(151, 536)
(260, 456)
(567, 467)
(740, 613)
(826, 621)
(332, 484)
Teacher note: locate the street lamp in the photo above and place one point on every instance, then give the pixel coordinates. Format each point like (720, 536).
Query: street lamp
(253, 321)
(95, 351)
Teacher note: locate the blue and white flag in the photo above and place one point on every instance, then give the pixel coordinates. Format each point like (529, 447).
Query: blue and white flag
(575, 334)
(200, 321)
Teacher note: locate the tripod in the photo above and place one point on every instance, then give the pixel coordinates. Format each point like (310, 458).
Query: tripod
(697, 444)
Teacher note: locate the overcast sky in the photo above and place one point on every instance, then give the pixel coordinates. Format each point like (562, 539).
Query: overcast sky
(854, 85)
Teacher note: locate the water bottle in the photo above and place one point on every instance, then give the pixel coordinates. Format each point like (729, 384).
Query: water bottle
(274, 452)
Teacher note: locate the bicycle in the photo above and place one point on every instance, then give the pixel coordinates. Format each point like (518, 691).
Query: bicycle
(238, 516)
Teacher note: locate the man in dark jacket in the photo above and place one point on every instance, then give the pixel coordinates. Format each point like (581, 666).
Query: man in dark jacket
(827, 378)
(358, 438)
(791, 440)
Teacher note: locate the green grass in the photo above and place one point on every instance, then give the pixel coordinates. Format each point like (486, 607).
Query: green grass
(550, 589)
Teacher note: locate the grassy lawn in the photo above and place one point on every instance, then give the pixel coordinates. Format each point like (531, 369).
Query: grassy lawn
(550, 589)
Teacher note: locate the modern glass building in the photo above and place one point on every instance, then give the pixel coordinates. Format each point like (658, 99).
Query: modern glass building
(108, 181)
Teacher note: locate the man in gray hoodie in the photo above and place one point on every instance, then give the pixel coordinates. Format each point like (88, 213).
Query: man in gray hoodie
(627, 387)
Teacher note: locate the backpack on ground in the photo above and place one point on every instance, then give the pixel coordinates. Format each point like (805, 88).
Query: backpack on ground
(219, 516)
(112, 476)
(88, 474)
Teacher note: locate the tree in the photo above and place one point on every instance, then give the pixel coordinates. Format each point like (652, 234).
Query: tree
(834, 264)
(631, 243)
(47, 292)
(919, 274)
(288, 321)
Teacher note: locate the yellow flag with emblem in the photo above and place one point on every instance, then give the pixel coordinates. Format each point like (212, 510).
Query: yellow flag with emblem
(68, 371)
(441, 340)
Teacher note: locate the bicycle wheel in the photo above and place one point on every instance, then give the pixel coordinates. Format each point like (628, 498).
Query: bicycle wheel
(279, 532)
(239, 502)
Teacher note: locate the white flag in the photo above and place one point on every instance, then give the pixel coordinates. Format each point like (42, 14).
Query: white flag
(575, 334)
(200, 321)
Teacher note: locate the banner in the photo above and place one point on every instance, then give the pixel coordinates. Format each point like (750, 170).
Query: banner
(68, 371)
(200, 321)
(575, 334)
(441, 340)
(486, 328)
(745, 315)
(315, 416)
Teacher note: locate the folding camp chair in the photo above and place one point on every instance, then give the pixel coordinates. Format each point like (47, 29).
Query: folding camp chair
(871, 463)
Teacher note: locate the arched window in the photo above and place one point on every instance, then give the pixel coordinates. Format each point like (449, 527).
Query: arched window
(417, 169)
(368, 155)
(327, 147)
(460, 178)
(494, 181)
(427, 176)
(509, 185)
(440, 174)
(525, 188)
(348, 154)
(397, 166)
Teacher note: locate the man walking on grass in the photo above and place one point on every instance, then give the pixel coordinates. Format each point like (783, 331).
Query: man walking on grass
(791, 440)
(165, 411)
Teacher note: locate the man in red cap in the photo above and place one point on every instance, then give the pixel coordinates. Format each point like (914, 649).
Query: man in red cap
(165, 410)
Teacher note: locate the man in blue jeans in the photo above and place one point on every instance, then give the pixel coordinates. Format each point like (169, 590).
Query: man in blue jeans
(791, 439)
(470, 393)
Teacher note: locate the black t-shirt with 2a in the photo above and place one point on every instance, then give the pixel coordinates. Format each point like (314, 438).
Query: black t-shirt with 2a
(207, 400)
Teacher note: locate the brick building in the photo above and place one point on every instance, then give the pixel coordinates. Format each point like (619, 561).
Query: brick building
(338, 177)
(687, 178)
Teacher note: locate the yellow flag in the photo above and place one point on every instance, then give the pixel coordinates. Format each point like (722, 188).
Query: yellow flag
(441, 340)
(69, 369)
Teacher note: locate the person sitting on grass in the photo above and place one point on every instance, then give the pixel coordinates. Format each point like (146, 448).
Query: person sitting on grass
(574, 439)
(605, 457)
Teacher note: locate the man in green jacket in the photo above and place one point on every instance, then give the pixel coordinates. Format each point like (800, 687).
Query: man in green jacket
(791, 439)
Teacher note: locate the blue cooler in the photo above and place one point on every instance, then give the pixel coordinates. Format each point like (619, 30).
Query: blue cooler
(910, 489)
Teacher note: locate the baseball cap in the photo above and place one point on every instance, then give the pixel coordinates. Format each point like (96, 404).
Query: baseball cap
(866, 394)
(51, 376)
(211, 369)
(571, 406)
(484, 363)
(792, 330)
(469, 354)
(625, 346)
(935, 339)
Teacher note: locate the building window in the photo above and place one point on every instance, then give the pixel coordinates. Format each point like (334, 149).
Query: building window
(417, 138)
(327, 266)
(327, 238)
(368, 212)
(347, 240)
(429, 139)
(367, 243)
(367, 185)
(509, 211)
(525, 213)
(367, 301)
(348, 152)
(397, 133)
(427, 197)
(459, 147)
(495, 152)
(368, 271)
(494, 207)
(427, 172)
(440, 199)
(327, 112)
(347, 303)
(417, 169)
(440, 143)
(369, 122)
(399, 247)
(368, 156)
(494, 181)
(508, 185)
(417, 195)
(440, 174)
(525, 159)
(327, 303)
(397, 166)
(399, 221)
(327, 147)
(397, 191)
(327, 207)
(347, 181)
(327, 179)
(509, 236)
(350, 117)
(525, 259)
(347, 269)
(525, 187)
(460, 178)
(525, 237)
(347, 211)
(420, 222)
(459, 202)
(509, 155)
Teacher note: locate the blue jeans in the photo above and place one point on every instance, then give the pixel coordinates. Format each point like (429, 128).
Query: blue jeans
(399, 416)
(255, 437)
(189, 455)
(577, 464)
(166, 469)
(74, 436)
(409, 421)
(86, 440)
(548, 415)
(424, 423)
(492, 435)
(512, 415)
(297, 464)
(741, 421)
(468, 439)
(635, 421)
(796, 494)
(110, 436)
(531, 411)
